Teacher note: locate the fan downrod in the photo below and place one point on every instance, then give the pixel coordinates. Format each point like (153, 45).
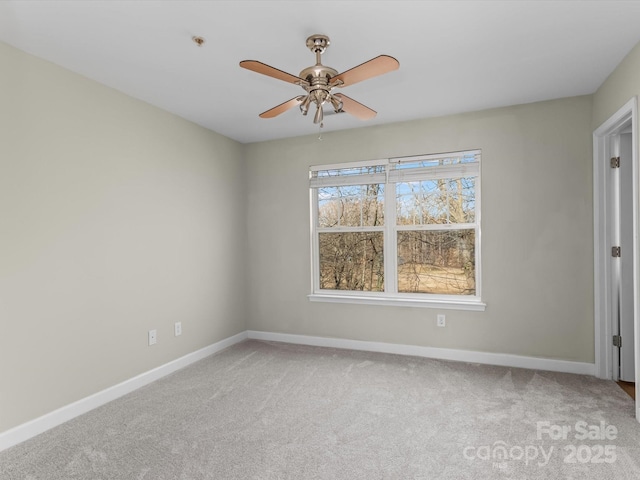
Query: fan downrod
(318, 73)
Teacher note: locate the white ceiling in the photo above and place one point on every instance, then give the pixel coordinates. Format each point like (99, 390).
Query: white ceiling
(455, 56)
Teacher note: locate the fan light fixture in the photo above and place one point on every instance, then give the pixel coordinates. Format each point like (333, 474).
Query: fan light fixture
(319, 81)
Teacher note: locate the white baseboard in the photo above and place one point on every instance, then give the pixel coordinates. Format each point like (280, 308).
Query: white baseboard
(41, 424)
(501, 359)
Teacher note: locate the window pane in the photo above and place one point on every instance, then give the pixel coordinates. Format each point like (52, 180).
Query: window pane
(438, 262)
(443, 201)
(351, 206)
(352, 261)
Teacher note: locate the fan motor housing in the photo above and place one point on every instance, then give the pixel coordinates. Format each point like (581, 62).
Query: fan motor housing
(318, 72)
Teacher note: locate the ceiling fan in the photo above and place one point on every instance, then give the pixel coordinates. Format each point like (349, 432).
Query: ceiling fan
(319, 81)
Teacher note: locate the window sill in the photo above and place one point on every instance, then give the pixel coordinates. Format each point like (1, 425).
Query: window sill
(454, 304)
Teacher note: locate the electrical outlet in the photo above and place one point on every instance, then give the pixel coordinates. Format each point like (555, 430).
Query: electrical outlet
(441, 322)
(177, 328)
(153, 339)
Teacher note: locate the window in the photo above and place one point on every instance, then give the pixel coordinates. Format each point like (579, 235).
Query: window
(398, 231)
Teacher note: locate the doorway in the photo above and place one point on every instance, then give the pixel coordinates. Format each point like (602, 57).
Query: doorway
(616, 263)
(622, 281)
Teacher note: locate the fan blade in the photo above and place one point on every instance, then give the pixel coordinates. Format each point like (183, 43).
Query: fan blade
(283, 107)
(354, 108)
(270, 71)
(372, 68)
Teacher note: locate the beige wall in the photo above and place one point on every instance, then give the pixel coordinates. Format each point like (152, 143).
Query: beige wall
(537, 252)
(618, 89)
(108, 228)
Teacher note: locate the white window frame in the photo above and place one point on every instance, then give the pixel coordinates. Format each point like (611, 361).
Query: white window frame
(391, 296)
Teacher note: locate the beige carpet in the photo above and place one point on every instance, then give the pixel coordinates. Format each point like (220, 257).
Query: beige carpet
(262, 410)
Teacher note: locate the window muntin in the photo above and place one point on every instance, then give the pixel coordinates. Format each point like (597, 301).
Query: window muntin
(398, 228)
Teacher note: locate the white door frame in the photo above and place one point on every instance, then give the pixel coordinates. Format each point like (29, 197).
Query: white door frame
(603, 223)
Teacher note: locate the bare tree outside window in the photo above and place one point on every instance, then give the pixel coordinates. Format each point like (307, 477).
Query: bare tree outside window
(428, 244)
(437, 262)
(431, 260)
(352, 259)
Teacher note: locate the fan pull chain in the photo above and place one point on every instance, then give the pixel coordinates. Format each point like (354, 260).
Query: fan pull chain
(320, 130)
